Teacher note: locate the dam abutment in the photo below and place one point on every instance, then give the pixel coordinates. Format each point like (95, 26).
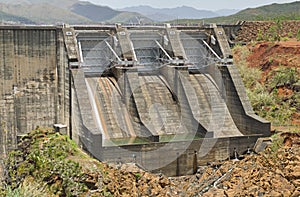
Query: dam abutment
(34, 81)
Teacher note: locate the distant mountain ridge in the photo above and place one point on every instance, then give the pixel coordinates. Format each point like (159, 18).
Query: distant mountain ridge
(227, 12)
(103, 13)
(84, 12)
(183, 12)
(43, 13)
(285, 11)
(57, 3)
(64, 11)
(271, 11)
(92, 11)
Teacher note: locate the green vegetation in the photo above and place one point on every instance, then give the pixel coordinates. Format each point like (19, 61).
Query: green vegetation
(29, 188)
(298, 35)
(265, 98)
(277, 143)
(283, 77)
(41, 167)
(138, 176)
(274, 33)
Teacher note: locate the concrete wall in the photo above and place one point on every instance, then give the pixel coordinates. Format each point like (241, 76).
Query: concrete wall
(177, 80)
(162, 157)
(33, 81)
(84, 131)
(239, 106)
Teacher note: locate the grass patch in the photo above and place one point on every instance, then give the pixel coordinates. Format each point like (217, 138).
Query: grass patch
(277, 143)
(29, 188)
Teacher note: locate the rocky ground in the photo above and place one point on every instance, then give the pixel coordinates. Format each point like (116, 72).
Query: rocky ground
(255, 30)
(271, 173)
(275, 172)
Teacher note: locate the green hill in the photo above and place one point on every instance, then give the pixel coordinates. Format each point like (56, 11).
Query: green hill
(43, 13)
(4, 17)
(287, 11)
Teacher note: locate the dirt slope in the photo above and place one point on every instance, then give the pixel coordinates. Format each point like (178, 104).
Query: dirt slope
(275, 87)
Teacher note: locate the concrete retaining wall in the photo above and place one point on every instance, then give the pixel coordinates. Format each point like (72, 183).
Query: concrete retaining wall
(33, 81)
(84, 131)
(162, 157)
(239, 106)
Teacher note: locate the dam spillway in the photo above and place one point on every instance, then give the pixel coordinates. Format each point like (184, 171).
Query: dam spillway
(162, 97)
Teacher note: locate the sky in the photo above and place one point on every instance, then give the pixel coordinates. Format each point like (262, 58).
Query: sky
(199, 4)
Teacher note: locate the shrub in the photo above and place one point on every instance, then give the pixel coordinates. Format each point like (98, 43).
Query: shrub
(250, 76)
(260, 99)
(298, 35)
(290, 34)
(277, 142)
(29, 188)
(283, 76)
(260, 36)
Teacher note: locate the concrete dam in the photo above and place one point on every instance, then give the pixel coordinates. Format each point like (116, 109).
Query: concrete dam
(166, 98)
